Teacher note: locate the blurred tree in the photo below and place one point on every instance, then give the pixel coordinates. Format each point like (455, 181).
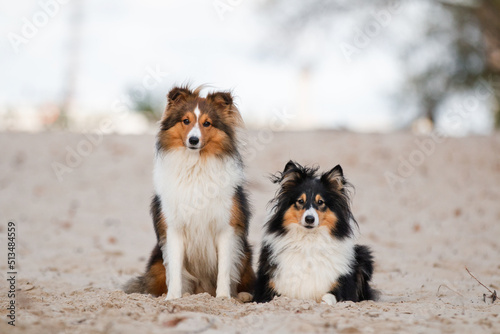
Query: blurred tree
(467, 34)
(459, 47)
(488, 13)
(146, 103)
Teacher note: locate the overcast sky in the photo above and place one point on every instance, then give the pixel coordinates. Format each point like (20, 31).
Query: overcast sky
(190, 41)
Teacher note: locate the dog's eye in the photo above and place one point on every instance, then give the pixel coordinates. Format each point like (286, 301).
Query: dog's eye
(300, 201)
(320, 202)
(186, 121)
(207, 124)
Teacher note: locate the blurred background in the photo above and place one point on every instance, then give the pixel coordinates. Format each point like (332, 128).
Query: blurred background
(368, 66)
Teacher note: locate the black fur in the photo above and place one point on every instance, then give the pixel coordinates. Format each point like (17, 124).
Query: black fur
(263, 290)
(156, 256)
(355, 287)
(156, 215)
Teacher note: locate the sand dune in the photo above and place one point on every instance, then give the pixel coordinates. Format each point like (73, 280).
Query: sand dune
(80, 237)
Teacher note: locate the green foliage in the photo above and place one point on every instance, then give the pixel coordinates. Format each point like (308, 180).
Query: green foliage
(147, 104)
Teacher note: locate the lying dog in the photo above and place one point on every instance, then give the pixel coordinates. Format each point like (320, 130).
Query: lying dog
(308, 250)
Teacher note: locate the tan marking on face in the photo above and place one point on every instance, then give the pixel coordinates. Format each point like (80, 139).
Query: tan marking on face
(176, 136)
(325, 215)
(173, 137)
(216, 142)
(327, 218)
(292, 216)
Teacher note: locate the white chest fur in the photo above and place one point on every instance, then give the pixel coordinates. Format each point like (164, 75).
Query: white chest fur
(197, 196)
(192, 188)
(308, 262)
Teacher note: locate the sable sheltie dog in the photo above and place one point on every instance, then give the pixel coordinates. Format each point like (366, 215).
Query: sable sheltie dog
(200, 209)
(308, 250)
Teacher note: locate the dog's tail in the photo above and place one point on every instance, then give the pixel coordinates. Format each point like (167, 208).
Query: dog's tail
(364, 272)
(153, 280)
(135, 285)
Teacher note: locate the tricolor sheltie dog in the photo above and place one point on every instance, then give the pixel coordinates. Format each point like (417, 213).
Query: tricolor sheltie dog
(200, 209)
(308, 249)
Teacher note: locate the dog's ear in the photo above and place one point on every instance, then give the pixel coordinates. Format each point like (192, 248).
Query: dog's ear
(334, 177)
(292, 172)
(223, 99)
(224, 102)
(175, 97)
(289, 166)
(178, 94)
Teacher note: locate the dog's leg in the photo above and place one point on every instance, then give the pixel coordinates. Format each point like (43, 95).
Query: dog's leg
(174, 249)
(226, 248)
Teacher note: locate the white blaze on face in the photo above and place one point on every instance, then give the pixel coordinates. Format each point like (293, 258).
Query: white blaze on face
(195, 131)
(310, 212)
(197, 112)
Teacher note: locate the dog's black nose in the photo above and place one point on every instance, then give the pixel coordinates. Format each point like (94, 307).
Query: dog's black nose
(194, 140)
(309, 219)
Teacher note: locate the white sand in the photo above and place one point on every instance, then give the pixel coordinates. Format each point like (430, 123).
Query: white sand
(80, 239)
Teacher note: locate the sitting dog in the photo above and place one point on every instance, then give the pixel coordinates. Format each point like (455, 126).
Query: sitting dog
(200, 209)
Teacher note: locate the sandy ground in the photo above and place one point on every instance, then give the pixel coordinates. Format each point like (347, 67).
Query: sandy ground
(79, 239)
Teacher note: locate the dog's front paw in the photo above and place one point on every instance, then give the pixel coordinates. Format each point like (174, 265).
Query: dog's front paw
(223, 293)
(245, 297)
(329, 299)
(173, 295)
